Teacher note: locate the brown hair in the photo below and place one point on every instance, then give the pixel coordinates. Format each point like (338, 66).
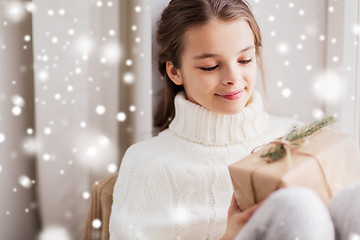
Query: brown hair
(176, 19)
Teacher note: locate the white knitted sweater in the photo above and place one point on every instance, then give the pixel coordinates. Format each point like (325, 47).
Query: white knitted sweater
(177, 185)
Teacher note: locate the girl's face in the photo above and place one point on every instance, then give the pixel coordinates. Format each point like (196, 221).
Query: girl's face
(219, 67)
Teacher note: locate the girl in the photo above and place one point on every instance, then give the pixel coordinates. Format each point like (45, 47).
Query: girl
(176, 185)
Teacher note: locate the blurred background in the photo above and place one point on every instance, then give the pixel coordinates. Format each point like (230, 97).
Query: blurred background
(79, 84)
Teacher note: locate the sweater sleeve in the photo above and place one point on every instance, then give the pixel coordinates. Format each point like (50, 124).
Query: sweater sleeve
(137, 212)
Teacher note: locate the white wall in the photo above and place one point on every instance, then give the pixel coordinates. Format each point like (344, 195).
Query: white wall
(319, 37)
(291, 43)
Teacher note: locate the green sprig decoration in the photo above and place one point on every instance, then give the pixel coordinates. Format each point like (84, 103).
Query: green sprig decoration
(295, 136)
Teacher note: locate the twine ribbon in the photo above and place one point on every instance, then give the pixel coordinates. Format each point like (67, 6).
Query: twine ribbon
(290, 147)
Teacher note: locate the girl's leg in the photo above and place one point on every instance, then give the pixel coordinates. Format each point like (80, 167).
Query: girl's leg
(293, 213)
(345, 212)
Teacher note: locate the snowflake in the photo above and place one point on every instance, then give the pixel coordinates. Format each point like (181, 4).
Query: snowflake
(46, 157)
(137, 9)
(15, 11)
(286, 92)
(86, 195)
(51, 12)
(317, 113)
(112, 168)
(96, 223)
(27, 38)
(24, 181)
(132, 108)
(128, 78)
(121, 116)
(100, 110)
(16, 111)
(328, 87)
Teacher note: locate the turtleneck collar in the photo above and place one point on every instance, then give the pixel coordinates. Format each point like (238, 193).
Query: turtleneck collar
(197, 124)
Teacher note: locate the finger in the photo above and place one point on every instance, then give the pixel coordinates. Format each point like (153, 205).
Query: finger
(250, 211)
(233, 205)
(261, 202)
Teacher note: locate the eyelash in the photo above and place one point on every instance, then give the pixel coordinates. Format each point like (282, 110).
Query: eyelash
(213, 68)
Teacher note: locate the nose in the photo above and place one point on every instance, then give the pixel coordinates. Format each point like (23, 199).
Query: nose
(231, 76)
(229, 83)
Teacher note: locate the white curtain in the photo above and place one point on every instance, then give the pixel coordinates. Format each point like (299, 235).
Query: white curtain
(75, 93)
(18, 206)
(79, 84)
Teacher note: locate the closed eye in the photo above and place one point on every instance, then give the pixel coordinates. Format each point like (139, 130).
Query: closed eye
(245, 61)
(215, 67)
(209, 69)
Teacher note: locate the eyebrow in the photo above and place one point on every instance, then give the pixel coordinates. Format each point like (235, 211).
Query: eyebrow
(209, 55)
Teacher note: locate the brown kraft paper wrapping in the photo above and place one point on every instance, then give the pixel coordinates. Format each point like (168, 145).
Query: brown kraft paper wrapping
(328, 162)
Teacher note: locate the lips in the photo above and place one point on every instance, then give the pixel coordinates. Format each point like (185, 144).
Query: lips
(231, 95)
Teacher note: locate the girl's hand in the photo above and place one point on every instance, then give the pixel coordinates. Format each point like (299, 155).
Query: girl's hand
(237, 219)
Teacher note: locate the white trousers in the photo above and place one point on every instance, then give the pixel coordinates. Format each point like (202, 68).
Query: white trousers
(297, 213)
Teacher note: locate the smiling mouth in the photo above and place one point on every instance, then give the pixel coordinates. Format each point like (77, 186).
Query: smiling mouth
(231, 95)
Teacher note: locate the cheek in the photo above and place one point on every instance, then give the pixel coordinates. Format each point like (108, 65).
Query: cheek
(197, 81)
(252, 74)
(207, 83)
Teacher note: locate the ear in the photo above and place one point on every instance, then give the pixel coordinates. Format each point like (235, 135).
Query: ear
(173, 73)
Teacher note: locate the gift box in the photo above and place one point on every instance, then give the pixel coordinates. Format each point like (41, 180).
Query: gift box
(326, 162)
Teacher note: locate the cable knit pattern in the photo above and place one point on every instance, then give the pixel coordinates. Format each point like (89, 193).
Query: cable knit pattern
(177, 185)
(197, 124)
